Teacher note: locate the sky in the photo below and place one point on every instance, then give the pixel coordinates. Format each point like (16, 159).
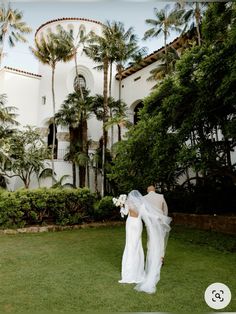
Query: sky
(131, 12)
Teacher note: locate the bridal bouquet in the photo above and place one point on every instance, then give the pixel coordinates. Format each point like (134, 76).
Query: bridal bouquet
(120, 202)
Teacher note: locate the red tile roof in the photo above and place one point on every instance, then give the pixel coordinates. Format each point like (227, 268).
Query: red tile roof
(67, 19)
(149, 59)
(21, 71)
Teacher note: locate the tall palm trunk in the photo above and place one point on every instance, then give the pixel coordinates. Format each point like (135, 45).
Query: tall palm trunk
(71, 132)
(105, 115)
(1, 53)
(53, 121)
(119, 132)
(82, 168)
(4, 34)
(197, 18)
(165, 45)
(85, 145)
(120, 88)
(112, 127)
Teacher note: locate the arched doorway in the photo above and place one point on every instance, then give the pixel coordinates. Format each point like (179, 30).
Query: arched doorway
(50, 139)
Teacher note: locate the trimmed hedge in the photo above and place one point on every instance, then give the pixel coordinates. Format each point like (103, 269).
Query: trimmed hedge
(54, 206)
(60, 206)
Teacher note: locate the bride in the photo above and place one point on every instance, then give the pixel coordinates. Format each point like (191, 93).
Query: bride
(157, 226)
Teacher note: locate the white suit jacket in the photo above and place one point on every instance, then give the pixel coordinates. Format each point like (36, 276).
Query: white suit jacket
(157, 201)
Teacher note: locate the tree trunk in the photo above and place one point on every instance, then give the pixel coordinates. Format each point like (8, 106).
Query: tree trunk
(85, 144)
(165, 45)
(82, 167)
(53, 121)
(73, 137)
(119, 132)
(74, 174)
(4, 34)
(197, 18)
(120, 86)
(96, 178)
(105, 115)
(112, 126)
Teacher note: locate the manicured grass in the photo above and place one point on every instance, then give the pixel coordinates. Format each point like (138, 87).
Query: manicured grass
(78, 270)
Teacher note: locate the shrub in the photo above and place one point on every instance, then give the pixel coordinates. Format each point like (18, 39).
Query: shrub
(11, 214)
(105, 209)
(27, 207)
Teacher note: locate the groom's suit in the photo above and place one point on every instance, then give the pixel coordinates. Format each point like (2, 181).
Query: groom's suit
(157, 201)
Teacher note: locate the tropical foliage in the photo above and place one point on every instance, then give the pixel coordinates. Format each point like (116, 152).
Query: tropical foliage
(23, 154)
(74, 113)
(51, 49)
(187, 129)
(12, 28)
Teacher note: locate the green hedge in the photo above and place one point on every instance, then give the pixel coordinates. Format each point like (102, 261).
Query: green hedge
(53, 206)
(60, 206)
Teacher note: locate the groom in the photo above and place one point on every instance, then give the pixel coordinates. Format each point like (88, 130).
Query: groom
(157, 201)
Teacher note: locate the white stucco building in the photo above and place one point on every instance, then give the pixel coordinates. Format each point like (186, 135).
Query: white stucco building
(31, 93)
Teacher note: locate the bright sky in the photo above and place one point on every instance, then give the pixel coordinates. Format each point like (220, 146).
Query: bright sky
(131, 12)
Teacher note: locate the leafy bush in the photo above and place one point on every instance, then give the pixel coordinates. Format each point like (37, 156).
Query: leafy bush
(10, 213)
(105, 209)
(27, 207)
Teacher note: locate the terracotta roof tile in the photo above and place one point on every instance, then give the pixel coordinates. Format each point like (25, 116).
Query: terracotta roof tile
(67, 19)
(21, 71)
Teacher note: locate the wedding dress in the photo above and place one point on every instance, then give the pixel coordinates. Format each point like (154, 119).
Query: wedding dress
(133, 256)
(158, 227)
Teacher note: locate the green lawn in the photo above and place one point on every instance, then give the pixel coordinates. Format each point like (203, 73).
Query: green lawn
(78, 270)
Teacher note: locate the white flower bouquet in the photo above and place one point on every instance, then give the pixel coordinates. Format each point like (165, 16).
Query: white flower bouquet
(120, 202)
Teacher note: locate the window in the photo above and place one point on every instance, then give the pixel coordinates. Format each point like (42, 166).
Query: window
(44, 100)
(137, 78)
(79, 81)
(82, 31)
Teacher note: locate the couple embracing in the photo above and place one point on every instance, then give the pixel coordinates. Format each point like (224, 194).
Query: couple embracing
(152, 210)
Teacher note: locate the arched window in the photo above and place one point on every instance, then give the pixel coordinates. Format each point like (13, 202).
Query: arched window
(82, 31)
(50, 139)
(79, 81)
(70, 28)
(136, 111)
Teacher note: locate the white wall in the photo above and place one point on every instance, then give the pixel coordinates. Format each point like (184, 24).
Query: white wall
(22, 91)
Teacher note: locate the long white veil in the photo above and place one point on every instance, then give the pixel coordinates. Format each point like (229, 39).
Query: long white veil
(158, 227)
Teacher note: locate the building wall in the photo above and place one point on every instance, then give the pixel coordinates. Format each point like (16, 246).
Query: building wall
(32, 95)
(22, 91)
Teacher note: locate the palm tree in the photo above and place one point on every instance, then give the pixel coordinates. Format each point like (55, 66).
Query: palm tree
(51, 49)
(12, 28)
(76, 42)
(7, 117)
(158, 73)
(192, 12)
(74, 113)
(166, 20)
(124, 47)
(100, 50)
(119, 116)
